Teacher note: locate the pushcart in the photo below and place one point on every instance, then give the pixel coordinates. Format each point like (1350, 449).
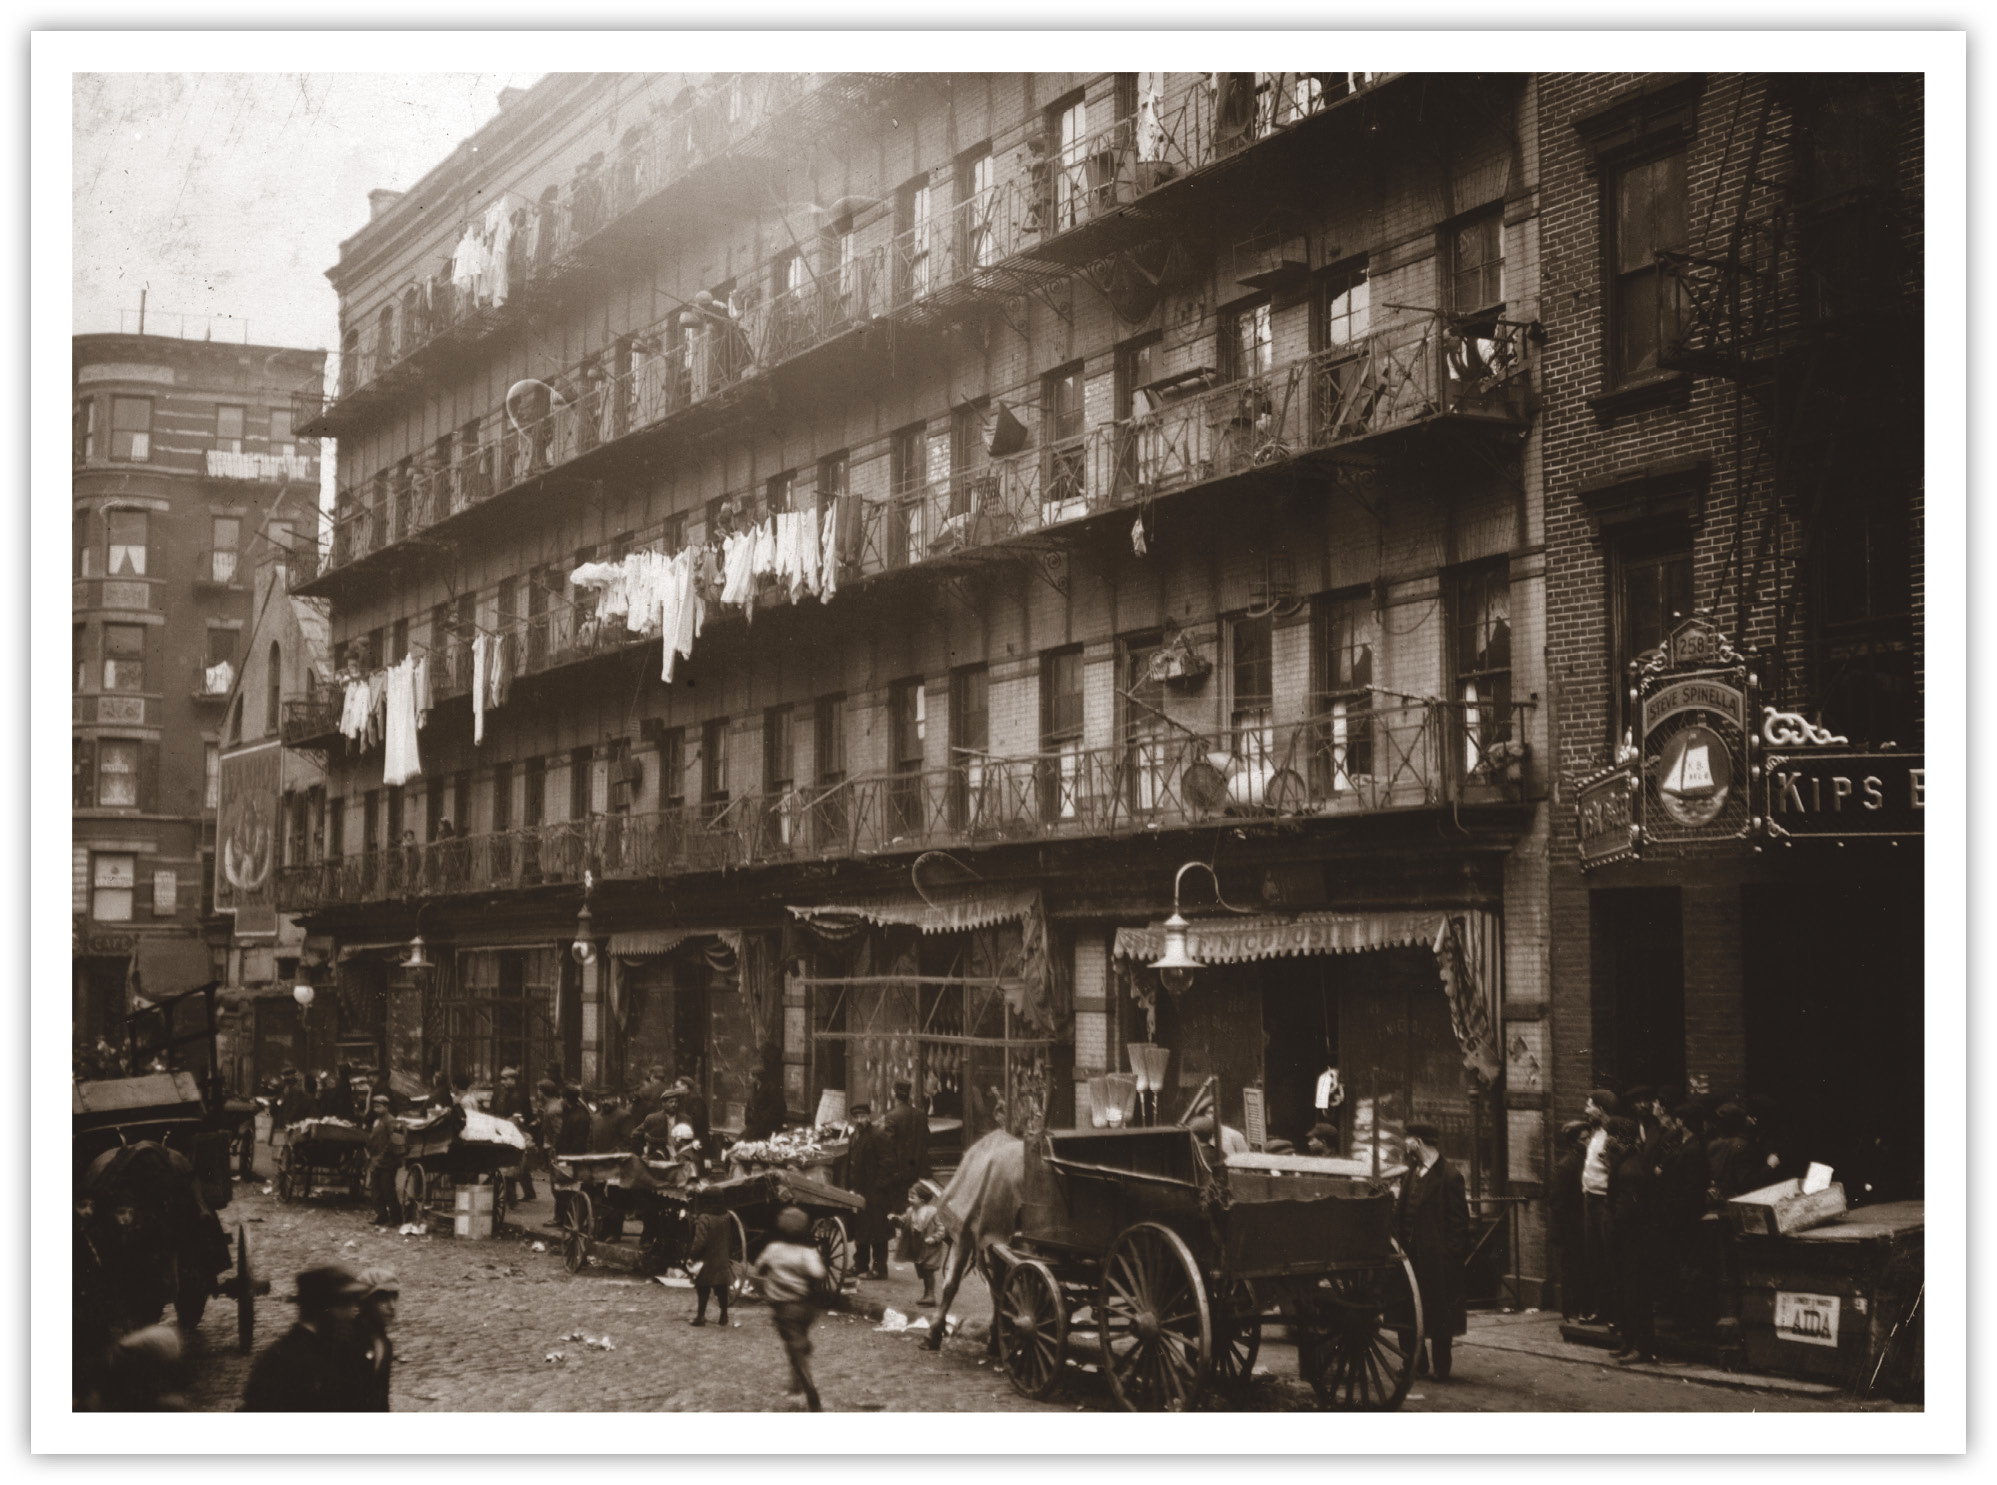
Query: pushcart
(755, 1198)
(319, 1152)
(442, 1153)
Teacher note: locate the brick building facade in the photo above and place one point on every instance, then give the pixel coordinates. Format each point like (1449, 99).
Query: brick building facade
(181, 452)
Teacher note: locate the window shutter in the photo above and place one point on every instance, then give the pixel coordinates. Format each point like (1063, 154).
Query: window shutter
(149, 777)
(83, 772)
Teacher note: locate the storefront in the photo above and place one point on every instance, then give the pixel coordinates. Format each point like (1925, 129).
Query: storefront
(704, 1003)
(1360, 1020)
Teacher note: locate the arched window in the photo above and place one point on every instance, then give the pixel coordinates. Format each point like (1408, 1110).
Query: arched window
(273, 689)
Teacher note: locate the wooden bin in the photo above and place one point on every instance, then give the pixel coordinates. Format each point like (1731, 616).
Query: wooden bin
(471, 1215)
(1822, 1303)
(1778, 1210)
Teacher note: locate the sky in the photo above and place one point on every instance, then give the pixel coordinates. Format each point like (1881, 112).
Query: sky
(225, 196)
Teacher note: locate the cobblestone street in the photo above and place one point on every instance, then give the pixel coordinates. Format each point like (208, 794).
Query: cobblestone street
(479, 1321)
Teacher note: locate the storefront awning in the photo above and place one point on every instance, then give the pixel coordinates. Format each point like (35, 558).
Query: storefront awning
(1468, 945)
(651, 943)
(941, 913)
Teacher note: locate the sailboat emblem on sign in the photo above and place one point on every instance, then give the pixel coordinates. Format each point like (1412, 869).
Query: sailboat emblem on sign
(1695, 776)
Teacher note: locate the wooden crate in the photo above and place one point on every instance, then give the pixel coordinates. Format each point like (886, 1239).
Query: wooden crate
(1866, 1267)
(1776, 1211)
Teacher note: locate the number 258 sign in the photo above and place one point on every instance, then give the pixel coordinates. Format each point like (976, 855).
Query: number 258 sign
(1809, 1318)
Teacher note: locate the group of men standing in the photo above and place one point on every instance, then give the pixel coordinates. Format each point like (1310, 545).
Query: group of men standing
(1632, 1187)
(882, 1163)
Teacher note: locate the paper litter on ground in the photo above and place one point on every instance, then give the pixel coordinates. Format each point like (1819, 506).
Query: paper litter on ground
(892, 1319)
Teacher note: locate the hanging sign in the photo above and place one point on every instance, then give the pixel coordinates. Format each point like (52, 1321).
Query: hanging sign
(1605, 820)
(1695, 736)
(1843, 794)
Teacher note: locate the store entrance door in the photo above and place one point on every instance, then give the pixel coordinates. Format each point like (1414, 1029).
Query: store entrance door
(1300, 1040)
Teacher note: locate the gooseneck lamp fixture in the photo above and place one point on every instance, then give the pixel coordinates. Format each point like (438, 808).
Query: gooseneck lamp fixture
(419, 955)
(583, 950)
(1176, 965)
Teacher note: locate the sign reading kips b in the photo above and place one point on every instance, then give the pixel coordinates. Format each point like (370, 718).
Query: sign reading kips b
(1844, 794)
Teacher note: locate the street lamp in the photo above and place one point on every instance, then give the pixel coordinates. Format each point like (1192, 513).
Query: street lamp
(1176, 965)
(304, 994)
(583, 950)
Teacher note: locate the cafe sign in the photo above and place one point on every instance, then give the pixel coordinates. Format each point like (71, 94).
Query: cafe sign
(1607, 821)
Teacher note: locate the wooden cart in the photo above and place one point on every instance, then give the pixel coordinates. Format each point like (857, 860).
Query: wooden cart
(1166, 1259)
(435, 1159)
(322, 1152)
(598, 1196)
(754, 1199)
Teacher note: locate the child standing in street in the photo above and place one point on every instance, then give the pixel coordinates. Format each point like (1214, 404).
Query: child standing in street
(794, 1282)
(922, 1240)
(714, 1273)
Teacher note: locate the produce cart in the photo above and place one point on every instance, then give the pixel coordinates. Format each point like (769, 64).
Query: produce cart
(754, 1198)
(1166, 1257)
(319, 1152)
(598, 1196)
(455, 1147)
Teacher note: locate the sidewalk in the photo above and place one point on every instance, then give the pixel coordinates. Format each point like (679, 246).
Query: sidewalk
(1538, 1333)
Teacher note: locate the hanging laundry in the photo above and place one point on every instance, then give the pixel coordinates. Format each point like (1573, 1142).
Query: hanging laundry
(354, 709)
(828, 551)
(499, 238)
(401, 758)
(464, 265)
(481, 668)
(425, 701)
(505, 661)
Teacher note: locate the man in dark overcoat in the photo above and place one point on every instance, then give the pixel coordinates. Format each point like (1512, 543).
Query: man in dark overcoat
(320, 1365)
(868, 1169)
(908, 1137)
(1432, 1221)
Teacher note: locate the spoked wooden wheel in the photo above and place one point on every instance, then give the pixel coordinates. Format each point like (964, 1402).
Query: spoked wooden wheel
(1032, 1328)
(1237, 1335)
(500, 1183)
(834, 1246)
(1361, 1357)
(743, 1283)
(578, 1227)
(287, 1182)
(412, 1189)
(1157, 1334)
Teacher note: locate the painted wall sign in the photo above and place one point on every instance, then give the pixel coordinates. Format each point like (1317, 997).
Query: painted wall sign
(246, 833)
(1809, 1318)
(1844, 795)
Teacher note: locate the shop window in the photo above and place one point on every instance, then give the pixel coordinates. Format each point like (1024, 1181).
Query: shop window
(1645, 213)
(124, 657)
(1252, 691)
(117, 773)
(1247, 346)
(714, 761)
(125, 540)
(970, 742)
(1061, 733)
(1345, 632)
(229, 429)
(1481, 602)
(111, 880)
(1652, 596)
(1865, 652)
(132, 428)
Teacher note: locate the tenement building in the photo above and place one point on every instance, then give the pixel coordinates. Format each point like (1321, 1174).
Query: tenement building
(1733, 491)
(817, 555)
(187, 473)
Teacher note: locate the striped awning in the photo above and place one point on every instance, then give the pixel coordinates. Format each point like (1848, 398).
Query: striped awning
(941, 913)
(651, 943)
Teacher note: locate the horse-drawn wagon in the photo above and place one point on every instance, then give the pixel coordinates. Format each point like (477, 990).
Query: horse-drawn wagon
(1170, 1255)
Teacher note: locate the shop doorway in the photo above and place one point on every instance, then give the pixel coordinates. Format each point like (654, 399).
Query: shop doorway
(1300, 1041)
(1638, 953)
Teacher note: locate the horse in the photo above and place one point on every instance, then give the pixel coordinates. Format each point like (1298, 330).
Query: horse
(979, 1207)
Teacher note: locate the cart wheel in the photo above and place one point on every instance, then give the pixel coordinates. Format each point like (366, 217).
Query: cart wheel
(578, 1228)
(413, 1187)
(1362, 1357)
(829, 1233)
(1032, 1318)
(743, 1283)
(246, 1293)
(287, 1183)
(190, 1295)
(1237, 1335)
(499, 1188)
(1157, 1336)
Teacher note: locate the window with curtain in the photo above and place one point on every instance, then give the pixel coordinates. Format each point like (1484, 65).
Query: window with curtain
(112, 876)
(1647, 212)
(1482, 605)
(229, 429)
(1061, 732)
(132, 428)
(1248, 347)
(118, 773)
(124, 657)
(1345, 632)
(1252, 691)
(125, 542)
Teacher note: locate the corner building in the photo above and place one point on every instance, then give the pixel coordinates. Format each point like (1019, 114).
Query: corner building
(1174, 448)
(187, 475)
(1733, 491)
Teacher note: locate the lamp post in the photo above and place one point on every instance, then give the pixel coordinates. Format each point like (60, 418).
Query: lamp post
(583, 949)
(1175, 971)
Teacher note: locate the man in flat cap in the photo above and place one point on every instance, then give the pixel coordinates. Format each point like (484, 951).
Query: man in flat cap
(320, 1365)
(1432, 1221)
(1596, 1248)
(869, 1172)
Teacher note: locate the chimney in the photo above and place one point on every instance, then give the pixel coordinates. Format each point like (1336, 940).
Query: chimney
(510, 96)
(380, 201)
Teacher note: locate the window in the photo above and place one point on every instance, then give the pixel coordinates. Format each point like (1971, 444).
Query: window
(849, 265)
(617, 771)
(714, 761)
(502, 795)
(83, 430)
(433, 809)
(229, 429)
(1646, 214)
(582, 783)
(221, 647)
(1068, 123)
(394, 807)
(124, 657)
(1247, 348)
(533, 792)
(1146, 734)
(1252, 691)
(1864, 632)
(672, 768)
(915, 238)
(1344, 319)
(974, 193)
(461, 802)
(1345, 632)
(828, 739)
(398, 641)
(778, 492)
(166, 891)
(211, 775)
(1477, 264)
(118, 773)
(779, 770)
(111, 879)
(371, 821)
(907, 721)
(273, 689)
(970, 742)
(968, 456)
(125, 543)
(907, 471)
(1652, 594)
(281, 441)
(79, 653)
(132, 428)
(1061, 434)
(336, 827)
(1482, 605)
(1061, 732)
(225, 539)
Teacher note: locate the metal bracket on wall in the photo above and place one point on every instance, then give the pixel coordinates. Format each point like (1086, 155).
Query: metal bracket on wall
(1045, 294)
